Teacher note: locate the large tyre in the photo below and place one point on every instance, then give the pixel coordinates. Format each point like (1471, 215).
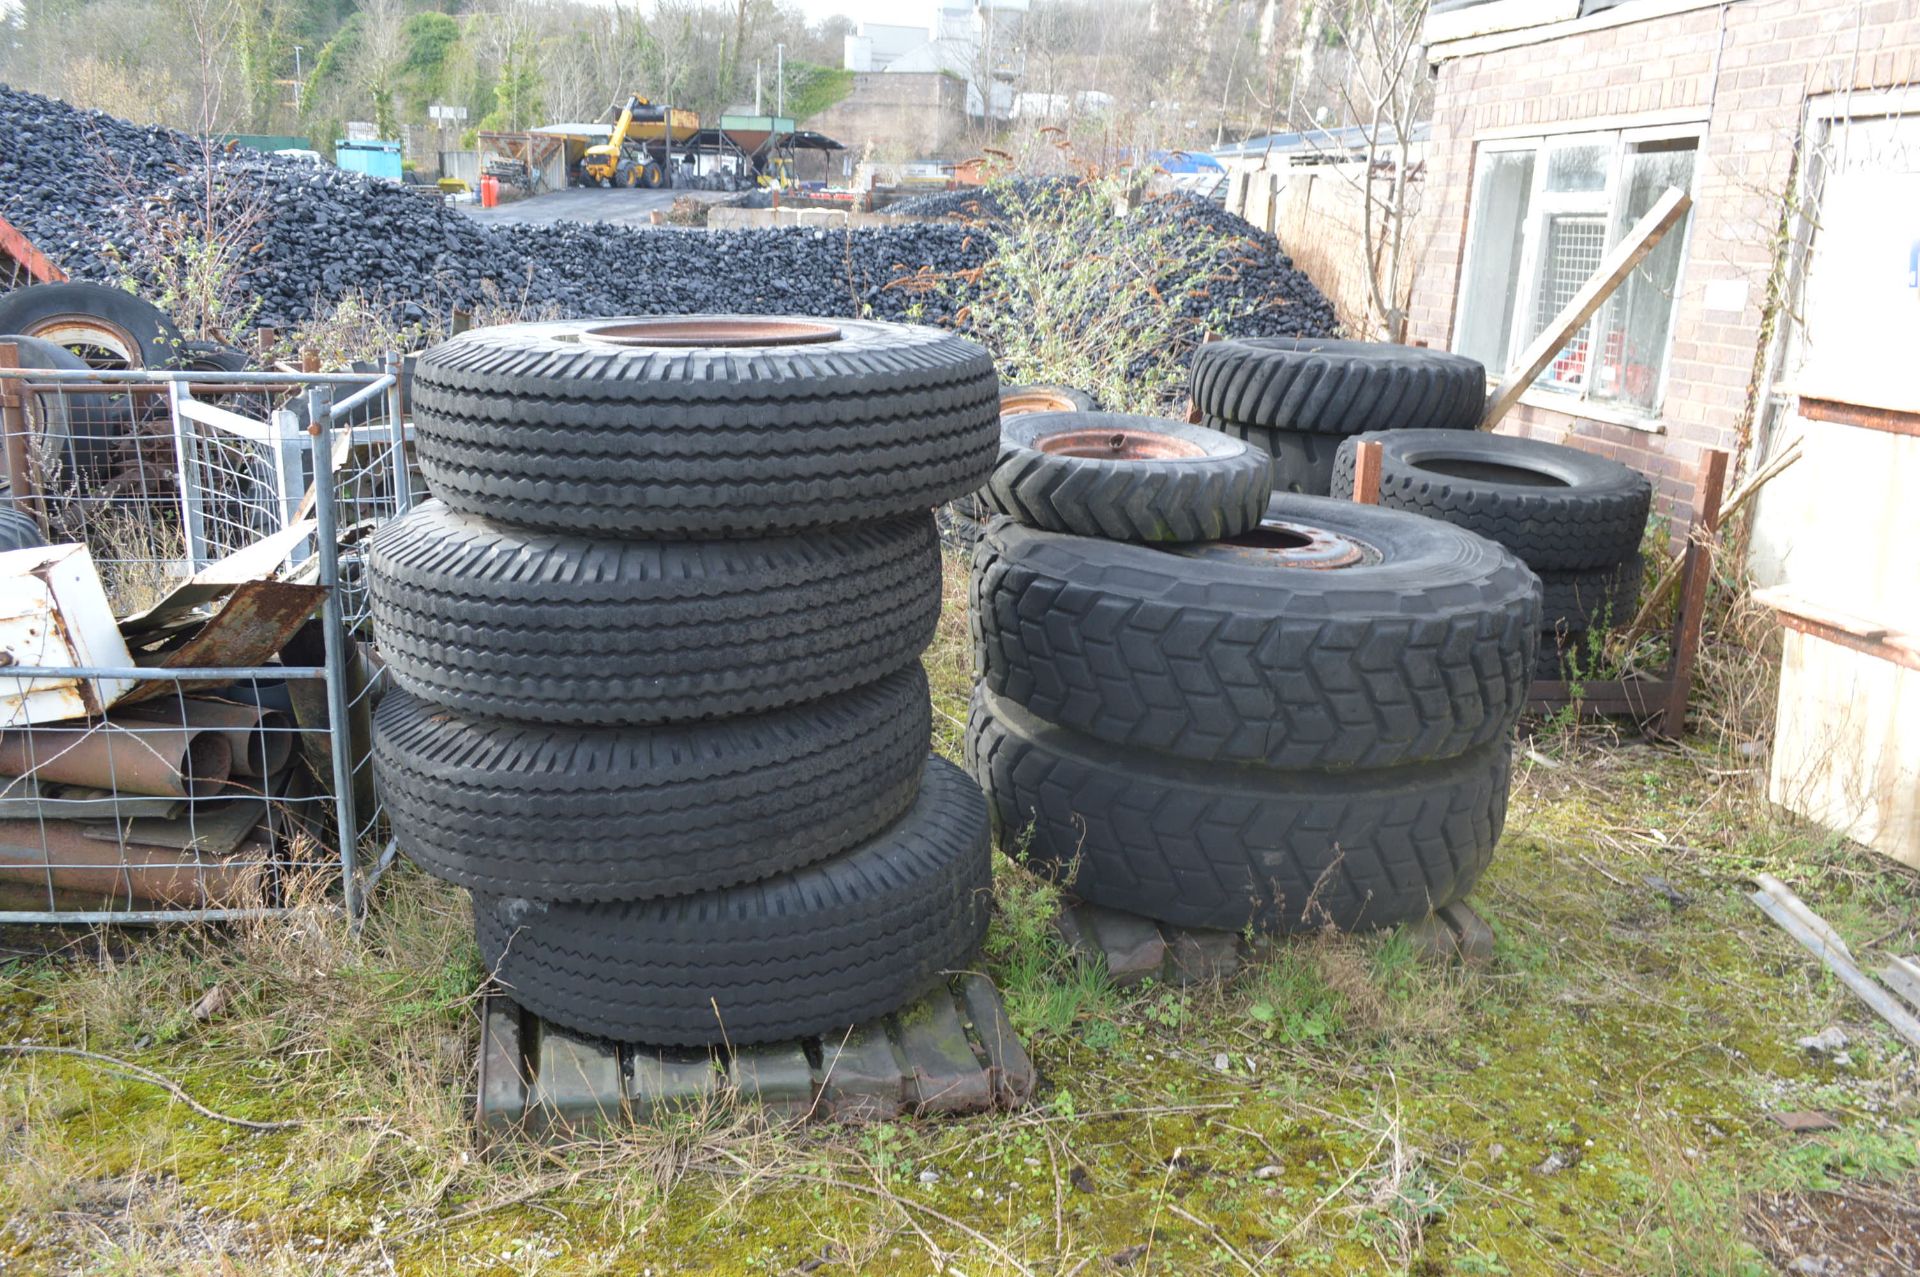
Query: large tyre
(1599, 599)
(766, 425)
(542, 627)
(80, 429)
(811, 952)
(1127, 478)
(1302, 462)
(1200, 845)
(612, 814)
(1558, 508)
(1336, 387)
(18, 530)
(108, 327)
(1421, 648)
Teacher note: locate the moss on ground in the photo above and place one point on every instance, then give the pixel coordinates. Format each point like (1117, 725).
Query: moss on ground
(1596, 1101)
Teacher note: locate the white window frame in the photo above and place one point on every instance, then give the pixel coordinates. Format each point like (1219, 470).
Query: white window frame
(1607, 203)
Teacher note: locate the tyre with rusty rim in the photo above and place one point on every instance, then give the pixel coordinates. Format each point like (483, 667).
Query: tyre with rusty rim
(1016, 400)
(1334, 635)
(1126, 478)
(704, 426)
(106, 327)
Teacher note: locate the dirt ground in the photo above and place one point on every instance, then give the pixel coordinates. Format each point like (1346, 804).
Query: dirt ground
(1601, 1099)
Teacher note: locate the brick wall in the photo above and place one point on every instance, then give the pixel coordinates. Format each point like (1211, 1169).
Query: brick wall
(1746, 69)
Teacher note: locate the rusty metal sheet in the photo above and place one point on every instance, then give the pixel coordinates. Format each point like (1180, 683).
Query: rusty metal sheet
(128, 757)
(32, 854)
(258, 619)
(31, 259)
(215, 830)
(25, 798)
(257, 562)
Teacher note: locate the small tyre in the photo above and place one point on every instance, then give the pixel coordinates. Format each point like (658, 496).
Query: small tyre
(1302, 460)
(1409, 640)
(494, 621)
(806, 953)
(1336, 387)
(18, 530)
(1558, 508)
(1199, 845)
(1597, 599)
(620, 814)
(704, 426)
(1127, 478)
(1016, 400)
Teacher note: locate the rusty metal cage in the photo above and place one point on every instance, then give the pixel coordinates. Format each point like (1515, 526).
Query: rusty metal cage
(224, 763)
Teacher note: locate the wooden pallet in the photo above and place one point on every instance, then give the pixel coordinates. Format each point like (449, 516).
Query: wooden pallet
(1138, 949)
(952, 1052)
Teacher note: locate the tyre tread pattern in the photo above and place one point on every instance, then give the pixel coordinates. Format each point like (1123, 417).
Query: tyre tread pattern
(1336, 387)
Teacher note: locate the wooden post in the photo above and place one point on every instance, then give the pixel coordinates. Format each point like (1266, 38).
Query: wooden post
(1609, 275)
(1695, 574)
(13, 420)
(1366, 472)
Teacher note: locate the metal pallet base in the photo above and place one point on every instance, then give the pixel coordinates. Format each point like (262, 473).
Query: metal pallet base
(952, 1052)
(1138, 949)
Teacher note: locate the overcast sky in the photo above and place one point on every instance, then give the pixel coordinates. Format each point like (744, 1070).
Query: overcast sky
(907, 13)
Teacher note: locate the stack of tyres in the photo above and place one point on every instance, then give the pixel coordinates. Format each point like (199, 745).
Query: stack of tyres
(1576, 519)
(1300, 397)
(961, 519)
(656, 643)
(1294, 712)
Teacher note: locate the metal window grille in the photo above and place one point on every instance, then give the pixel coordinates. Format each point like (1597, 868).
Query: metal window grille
(1572, 250)
(214, 796)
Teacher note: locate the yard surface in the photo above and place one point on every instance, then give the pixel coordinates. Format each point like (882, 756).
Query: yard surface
(1598, 1101)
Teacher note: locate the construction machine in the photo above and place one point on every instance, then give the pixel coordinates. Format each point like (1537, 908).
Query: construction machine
(636, 153)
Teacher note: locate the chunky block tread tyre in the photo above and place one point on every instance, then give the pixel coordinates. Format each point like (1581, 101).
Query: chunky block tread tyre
(500, 622)
(1558, 508)
(814, 951)
(1216, 657)
(1596, 598)
(540, 425)
(1302, 460)
(618, 814)
(1336, 387)
(1200, 845)
(1218, 490)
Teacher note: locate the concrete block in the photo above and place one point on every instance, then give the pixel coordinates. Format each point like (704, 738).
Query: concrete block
(861, 1079)
(1202, 957)
(778, 1078)
(501, 1104)
(1134, 949)
(943, 1074)
(1009, 1068)
(658, 1082)
(577, 1085)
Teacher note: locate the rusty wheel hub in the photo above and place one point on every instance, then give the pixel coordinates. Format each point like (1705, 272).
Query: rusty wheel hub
(101, 343)
(742, 331)
(1109, 443)
(1026, 401)
(1297, 545)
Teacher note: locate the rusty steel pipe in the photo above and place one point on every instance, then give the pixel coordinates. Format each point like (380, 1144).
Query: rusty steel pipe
(36, 854)
(125, 757)
(261, 739)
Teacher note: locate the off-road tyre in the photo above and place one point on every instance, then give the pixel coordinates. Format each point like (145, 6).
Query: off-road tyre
(1302, 462)
(1336, 387)
(142, 332)
(545, 426)
(620, 814)
(1598, 598)
(807, 953)
(1193, 484)
(1207, 655)
(1558, 508)
(1199, 845)
(495, 621)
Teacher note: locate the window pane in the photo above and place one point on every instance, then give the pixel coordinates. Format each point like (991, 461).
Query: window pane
(1570, 251)
(1637, 322)
(1577, 168)
(1493, 261)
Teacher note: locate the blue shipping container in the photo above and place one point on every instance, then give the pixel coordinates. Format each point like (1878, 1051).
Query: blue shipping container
(375, 159)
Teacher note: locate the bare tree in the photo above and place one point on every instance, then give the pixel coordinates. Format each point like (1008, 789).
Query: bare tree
(210, 25)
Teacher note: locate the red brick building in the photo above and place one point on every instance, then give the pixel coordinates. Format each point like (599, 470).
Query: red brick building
(1556, 123)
